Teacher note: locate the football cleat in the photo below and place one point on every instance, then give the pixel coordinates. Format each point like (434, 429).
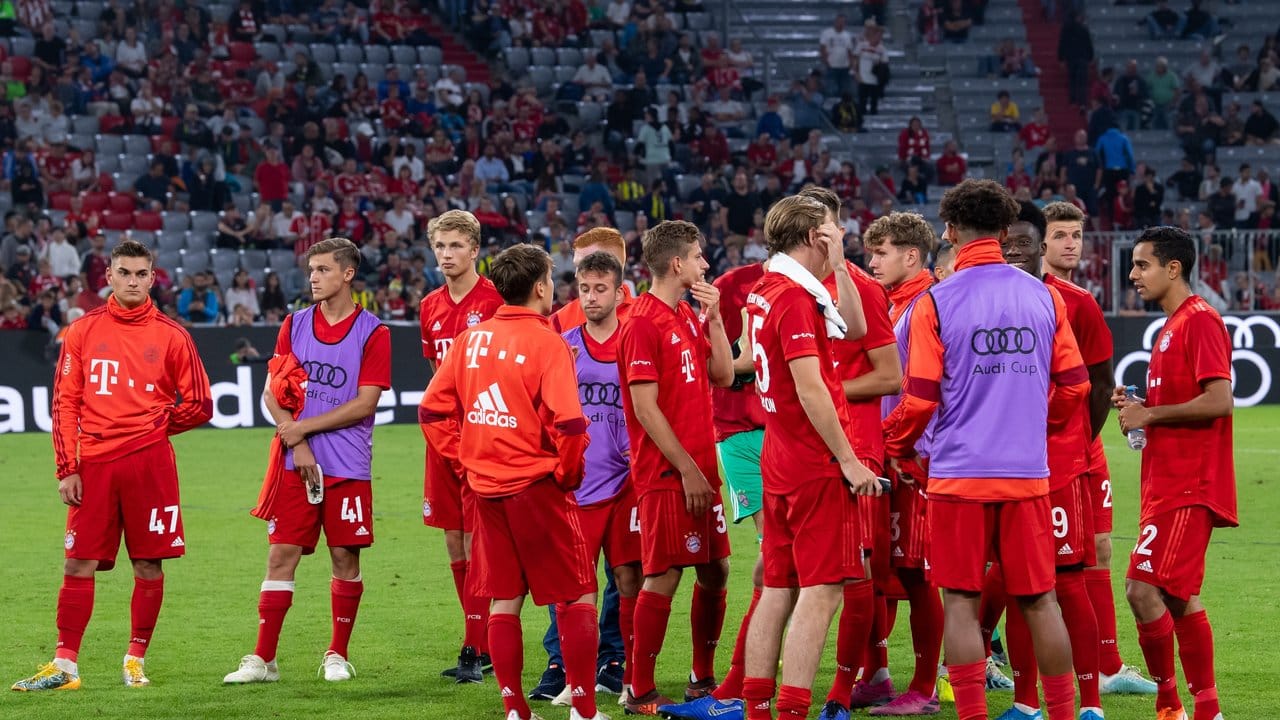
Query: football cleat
(945, 692)
(833, 710)
(1127, 681)
(551, 684)
(50, 677)
(908, 703)
(609, 678)
(564, 699)
(514, 715)
(1091, 714)
(573, 715)
(132, 672)
(699, 688)
(704, 708)
(253, 669)
(1171, 714)
(996, 680)
(1016, 713)
(336, 668)
(867, 694)
(486, 666)
(647, 705)
(469, 669)
(622, 696)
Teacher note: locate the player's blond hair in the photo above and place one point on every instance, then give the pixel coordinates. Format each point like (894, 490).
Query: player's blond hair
(901, 229)
(457, 221)
(607, 238)
(790, 222)
(344, 252)
(1060, 211)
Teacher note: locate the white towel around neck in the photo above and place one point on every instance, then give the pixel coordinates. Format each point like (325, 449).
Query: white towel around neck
(786, 266)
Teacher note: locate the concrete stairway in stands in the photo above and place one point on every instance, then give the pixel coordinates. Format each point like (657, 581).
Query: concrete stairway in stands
(1042, 36)
(456, 52)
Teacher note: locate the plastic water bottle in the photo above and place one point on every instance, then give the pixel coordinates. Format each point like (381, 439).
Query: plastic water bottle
(1137, 436)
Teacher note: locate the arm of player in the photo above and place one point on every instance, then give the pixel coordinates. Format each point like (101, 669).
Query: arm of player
(885, 377)
(1101, 376)
(720, 364)
(1214, 401)
(559, 391)
(439, 412)
(922, 387)
(68, 392)
(1068, 379)
(364, 404)
(697, 491)
(816, 401)
(195, 399)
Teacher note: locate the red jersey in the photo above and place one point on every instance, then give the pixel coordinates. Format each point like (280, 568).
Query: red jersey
(1033, 135)
(851, 361)
(392, 113)
(1069, 446)
(57, 167)
(40, 283)
(1188, 464)
(951, 169)
(571, 316)
(442, 319)
(667, 345)
(350, 184)
(762, 155)
(737, 408)
(125, 379)
(352, 226)
(786, 325)
(375, 364)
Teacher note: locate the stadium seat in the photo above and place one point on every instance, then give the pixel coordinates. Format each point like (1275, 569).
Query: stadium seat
(242, 52)
(590, 116)
(21, 64)
(146, 220)
(543, 78)
(204, 222)
(282, 260)
(88, 10)
(194, 261)
(136, 164)
(113, 124)
(108, 145)
(117, 221)
(625, 219)
(253, 259)
(377, 54)
(177, 221)
(198, 242)
(95, 201)
(404, 55)
(108, 163)
(375, 73)
(139, 145)
(121, 202)
(169, 125)
(349, 54)
(570, 56)
(225, 259)
(60, 201)
(430, 55)
(542, 56)
(517, 60)
(268, 51)
(84, 125)
(146, 237)
(171, 240)
(322, 53)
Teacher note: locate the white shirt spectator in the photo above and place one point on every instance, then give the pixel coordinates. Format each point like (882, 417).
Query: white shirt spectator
(81, 172)
(726, 110)
(63, 258)
(280, 225)
(1247, 193)
(1205, 74)
(133, 57)
(838, 44)
(868, 56)
(147, 110)
(401, 220)
(593, 75)
(417, 170)
(234, 296)
(618, 12)
(448, 93)
(492, 170)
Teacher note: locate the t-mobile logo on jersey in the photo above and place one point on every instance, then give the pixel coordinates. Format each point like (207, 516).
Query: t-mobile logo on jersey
(103, 372)
(686, 365)
(478, 347)
(442, 348)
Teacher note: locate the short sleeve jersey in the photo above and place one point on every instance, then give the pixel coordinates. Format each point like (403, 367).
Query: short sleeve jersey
(737, 409)
(667, 346)
(1188, 464)
(786, 325)
(1069, 448)
(442, 319)
(851, 361)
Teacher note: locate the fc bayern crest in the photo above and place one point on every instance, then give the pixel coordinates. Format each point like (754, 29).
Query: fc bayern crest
(426, 508)
(743, 500)
(1164, 340)
(473, 318)
(69, 541)
(271, 526)
(693, 543)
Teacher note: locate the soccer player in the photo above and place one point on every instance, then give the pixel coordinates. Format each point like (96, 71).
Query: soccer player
(900, 244)
(809, 468)
(985, 346)
(127, 378)
(1068, 495)
(326, 483)
(869, 369)
(600, 239)
(1188, 474)
(667, 363)
(506, 407)
(1063, 250)
(944, 263)
(465, 299)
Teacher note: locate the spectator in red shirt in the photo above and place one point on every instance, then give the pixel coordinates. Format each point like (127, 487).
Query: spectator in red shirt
(714, 147)
(951, 166)
(392, 110)
(1018, 177)
(913, 143)
(1122, 208)
(1035, 133)
(846, 183)
(272, 178)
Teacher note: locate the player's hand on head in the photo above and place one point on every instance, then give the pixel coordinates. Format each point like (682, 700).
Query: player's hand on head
(697, 492)
(708, 296)
(71, 490)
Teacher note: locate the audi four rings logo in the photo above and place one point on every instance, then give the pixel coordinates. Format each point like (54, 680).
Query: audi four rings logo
(593, 393)
(325, 374)
(1003, 341)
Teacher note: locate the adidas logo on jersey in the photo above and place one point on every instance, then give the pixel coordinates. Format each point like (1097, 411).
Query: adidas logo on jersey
(897, 552)
(177, 542)
(1145, 566)
(1065, 549)
(361, 531)
(436, 327)
(491, 409)
(675, 339)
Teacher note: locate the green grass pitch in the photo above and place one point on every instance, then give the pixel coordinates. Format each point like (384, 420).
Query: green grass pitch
(409, 627)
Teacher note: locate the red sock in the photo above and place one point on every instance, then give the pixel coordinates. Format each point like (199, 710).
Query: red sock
(506, 648)
(626, 624)
(1195, 648)
(926, 630)
(992, 607)
(1098, 582)
(794, 702)
(652, 612)
(970, 685)
(1082, 628)
(476, 610)
(75, 606)
(1022, 658)
(877, 657)
(1156, 640)
(144, 609)
(890, 616)
(459, 569)
(273, 604)
(578, 641)
(731, 687)
(757, 696)
(344, 598)
(851, 639)
(706, 619)
(1060, 696)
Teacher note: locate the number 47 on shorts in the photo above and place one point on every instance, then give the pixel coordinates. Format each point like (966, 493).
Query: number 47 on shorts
(157, 526)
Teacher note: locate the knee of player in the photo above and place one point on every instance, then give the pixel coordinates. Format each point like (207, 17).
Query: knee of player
(1102, 548)
(282, 560)
(1141, 596)
(147, 569)
(76, 567)
(714, 575)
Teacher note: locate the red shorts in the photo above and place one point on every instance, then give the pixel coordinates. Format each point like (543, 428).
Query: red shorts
(447, 500)
(612, 526)
(965, 535)
(345, 514)
(1072, 525)
(1170, 551)
(530, 542)
(138, 494)
(873, 523)
(907, 528)
(672, 538)
(1098, 480)
(806, 536)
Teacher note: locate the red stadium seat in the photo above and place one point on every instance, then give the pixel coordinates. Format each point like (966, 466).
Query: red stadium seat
(122, 203)
(156, 141)
(169, 125)
(150, 221)
(95, 202)
(106, 182)
(112, 124)
(243, 52)
(21, 67)
(117, 221)
(60, 201)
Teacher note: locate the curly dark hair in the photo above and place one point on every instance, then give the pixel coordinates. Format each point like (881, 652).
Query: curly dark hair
(979, 206)
(1030, 213)
(1169, 244)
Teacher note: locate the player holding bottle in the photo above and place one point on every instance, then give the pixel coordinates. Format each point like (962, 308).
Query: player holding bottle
(989, 485)
(1063, 250)
(127, 378)
(667, 363)
(1188, 474)
(506, 407)
(328, 468)
(465, 299)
